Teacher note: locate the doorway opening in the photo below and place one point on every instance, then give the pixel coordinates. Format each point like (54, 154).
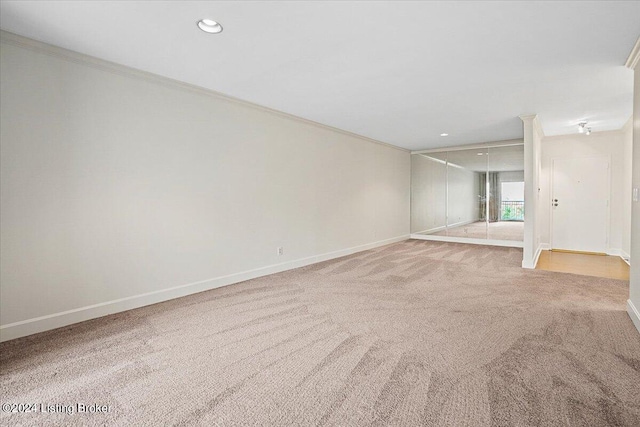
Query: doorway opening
(580, 204)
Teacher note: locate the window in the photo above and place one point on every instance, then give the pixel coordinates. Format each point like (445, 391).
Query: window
(512, 205)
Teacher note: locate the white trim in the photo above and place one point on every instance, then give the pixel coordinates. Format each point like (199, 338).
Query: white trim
(538, 126)
(114, 68)
(490, 144)
(625, 257)
(531, 264)
(524, 117)
(461, 223)
(486, 242)
(634, 56)
(65, 318)
(634, 314)
(614, 251)
(431, 230)
(535, 121)
(531, 190)
(443, 227)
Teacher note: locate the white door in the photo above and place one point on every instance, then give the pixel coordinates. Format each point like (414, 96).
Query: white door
(580, 204)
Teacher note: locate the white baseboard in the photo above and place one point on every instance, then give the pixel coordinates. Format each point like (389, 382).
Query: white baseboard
(461, 223)
(443, 227)
(432, 230)
(610, 251)
(546, 246)
(65, 318)
(531, 264)
(625, 256)
(486, 242)
(634, 314)
(620, 253)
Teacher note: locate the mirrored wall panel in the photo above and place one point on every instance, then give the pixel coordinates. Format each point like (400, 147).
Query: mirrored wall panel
(472, 193)
(505, 182)
(429, 191)
(465, 206)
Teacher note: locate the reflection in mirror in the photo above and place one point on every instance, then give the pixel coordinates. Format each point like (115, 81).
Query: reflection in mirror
(473, 193)
(428, 192)
(465, 201)
(506, 193)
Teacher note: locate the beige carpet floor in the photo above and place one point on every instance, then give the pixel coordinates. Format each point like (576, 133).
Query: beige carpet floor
(501, 230)
(414, 333)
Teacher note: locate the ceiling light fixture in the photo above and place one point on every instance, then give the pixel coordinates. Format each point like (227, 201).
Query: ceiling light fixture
(588, 131)
(581, 126)
(479, 154)
(444, 134)
(209, 26)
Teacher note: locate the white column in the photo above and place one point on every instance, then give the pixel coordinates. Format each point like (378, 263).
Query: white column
(633, 304)
(532, 137)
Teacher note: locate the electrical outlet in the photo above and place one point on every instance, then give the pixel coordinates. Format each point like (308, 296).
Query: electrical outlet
(635, 194)
(280, 251)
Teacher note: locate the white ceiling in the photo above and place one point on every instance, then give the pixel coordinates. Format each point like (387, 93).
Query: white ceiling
(398, 72)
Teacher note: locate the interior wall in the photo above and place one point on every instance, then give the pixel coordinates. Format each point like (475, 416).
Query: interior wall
(634, 273)
(610, 144)
(120, 189)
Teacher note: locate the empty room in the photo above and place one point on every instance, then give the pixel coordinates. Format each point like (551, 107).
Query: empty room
(319, 213)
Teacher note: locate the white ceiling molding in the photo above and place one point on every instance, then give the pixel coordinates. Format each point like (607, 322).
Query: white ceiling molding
(112, 67)
(634, 56)
(492, 144)
(535, 121)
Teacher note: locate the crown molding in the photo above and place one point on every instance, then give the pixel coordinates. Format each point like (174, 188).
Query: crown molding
(524, 117)
(491, 144)
(535, 121)
(123, 70)
(634, 56)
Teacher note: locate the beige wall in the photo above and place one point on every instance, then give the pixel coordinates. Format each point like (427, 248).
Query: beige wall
(120, 190)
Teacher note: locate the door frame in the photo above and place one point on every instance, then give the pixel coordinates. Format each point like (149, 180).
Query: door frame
(551, 189)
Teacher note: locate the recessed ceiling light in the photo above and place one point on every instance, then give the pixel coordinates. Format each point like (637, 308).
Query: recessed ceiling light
(209, 26)
(444, 134)
(480, 154)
